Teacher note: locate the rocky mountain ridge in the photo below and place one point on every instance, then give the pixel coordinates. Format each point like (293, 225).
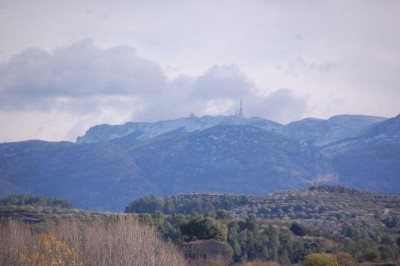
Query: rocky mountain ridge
(111, 165)
(318, 132)
(133, 132)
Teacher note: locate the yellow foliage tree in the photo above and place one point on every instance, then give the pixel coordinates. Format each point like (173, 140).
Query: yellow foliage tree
(320, 259)
(49, 251)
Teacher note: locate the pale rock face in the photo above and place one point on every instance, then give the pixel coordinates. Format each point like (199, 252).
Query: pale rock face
(317, 132)
(324, 132)
(146, 131)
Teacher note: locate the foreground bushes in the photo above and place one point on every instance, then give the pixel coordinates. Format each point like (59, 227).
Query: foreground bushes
(324, 259)
(117, 240)
(320, 259)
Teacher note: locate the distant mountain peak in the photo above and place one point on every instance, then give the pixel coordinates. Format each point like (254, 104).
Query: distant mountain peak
(147, 130)
(317, 131)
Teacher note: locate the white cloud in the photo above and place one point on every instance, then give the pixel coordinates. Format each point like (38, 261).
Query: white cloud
(35, 79)
(223, 82)
(282, 105)
(83, 83)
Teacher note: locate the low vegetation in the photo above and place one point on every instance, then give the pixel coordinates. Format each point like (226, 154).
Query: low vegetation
(114, 240)
(321, 259)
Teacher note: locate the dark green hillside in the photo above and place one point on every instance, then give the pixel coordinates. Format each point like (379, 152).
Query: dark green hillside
(326, 209)
(295, 204)
(286, 226)
(33, 200)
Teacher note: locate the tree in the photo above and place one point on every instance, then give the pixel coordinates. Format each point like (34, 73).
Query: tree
(320, 259)
(204, 228)
(49, 251)
(149, 204)
(345, 259)
(387, 240)
(371, 255)
(298, 229)
(251, 222)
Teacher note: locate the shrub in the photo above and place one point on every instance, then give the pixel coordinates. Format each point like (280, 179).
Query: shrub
(345, 259)
(320, 259)
(371, 255)
(298, 229)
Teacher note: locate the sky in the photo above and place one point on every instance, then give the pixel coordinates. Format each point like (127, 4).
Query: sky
(68, 65)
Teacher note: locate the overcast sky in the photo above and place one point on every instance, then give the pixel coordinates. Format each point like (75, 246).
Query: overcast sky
(69, 65)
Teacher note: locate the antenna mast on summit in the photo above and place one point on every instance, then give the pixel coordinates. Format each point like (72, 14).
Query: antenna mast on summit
(240, 114)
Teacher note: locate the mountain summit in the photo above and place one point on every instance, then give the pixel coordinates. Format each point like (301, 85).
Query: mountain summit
(134, 132)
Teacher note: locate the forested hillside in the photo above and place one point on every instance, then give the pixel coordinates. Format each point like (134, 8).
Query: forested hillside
(34, 200)
(284, 226)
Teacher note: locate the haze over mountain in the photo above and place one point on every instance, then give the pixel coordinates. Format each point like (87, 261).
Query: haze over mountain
(111, 165)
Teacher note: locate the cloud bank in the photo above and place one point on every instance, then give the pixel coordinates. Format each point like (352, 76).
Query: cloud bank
(83, 82)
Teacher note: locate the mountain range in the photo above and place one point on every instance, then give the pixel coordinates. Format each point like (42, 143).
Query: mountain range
(113, 164)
